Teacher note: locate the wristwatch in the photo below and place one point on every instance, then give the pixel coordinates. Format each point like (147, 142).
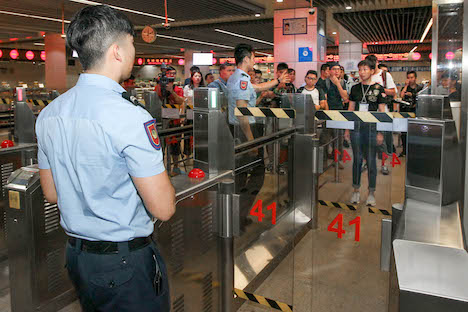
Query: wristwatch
(279, 81)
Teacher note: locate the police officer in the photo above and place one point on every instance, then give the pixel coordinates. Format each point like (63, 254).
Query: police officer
(241, 91)
(100, 159)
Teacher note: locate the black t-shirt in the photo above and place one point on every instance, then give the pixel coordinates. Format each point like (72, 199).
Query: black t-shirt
(322, 84)
(414, 91)
(373, 96)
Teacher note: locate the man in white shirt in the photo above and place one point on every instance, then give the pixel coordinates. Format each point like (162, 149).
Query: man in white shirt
(318, 96)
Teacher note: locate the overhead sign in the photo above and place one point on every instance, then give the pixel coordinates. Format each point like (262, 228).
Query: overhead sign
(305, 54)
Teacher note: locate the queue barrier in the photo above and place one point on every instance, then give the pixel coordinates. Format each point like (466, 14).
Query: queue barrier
(287, 113)
(336, 115)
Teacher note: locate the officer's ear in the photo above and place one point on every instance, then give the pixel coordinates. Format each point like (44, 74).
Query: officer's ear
(117, 52)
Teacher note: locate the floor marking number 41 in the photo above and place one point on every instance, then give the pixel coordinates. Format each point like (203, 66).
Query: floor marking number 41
(339, 227)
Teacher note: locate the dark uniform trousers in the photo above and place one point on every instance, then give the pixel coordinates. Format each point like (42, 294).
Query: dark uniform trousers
(133, 281)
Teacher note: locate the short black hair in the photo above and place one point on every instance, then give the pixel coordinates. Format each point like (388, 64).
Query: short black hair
(168, 68)
(194, 69)
(93, 30)
(382, 66)
(224, 66)
(282, 66)
(367, 63)
(242, 51)
(372, 58)
(324, 67)
(291, 70)
(258, 71)
(311, 72)
(206, 76)
(334, 64)
(412, 72)
(445, 75)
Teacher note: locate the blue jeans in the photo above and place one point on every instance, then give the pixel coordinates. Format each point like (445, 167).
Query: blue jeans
(363, 142)
(123, 281)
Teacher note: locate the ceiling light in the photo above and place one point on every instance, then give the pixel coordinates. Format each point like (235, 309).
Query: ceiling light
(348, 7)
(39, 43)
(334, 33)
(34, 16)
(266, 54)
(257, 15)
(122, 9)
(426, 31)
(195, 41)
(414, 49)
(242, 36)
(347, 41)
(279, 0)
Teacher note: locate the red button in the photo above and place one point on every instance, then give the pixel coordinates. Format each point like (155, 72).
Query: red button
(7, 143)
(196, 174)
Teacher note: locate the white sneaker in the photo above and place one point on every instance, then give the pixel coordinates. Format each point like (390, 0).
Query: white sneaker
(355, 198)
(370, 200)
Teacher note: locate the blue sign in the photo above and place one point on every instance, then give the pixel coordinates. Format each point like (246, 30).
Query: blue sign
(305, 54)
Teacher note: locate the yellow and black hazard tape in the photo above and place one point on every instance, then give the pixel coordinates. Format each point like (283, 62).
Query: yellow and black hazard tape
(265, 112)
(380, 211)
(337, 115)
(263, 301)
(5, 101)
(39, 102)
(176, 106)
(338, 205)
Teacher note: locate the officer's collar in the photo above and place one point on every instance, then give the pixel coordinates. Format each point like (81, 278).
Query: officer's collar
(100, 81)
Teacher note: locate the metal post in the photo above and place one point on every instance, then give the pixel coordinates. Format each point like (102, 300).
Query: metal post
(276, 147)
(228, 227)
(337, 163)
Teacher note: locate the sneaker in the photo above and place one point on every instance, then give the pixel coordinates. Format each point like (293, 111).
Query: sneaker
(355, 198)
(402, 154)
(385, 170)
(364, 167)
(370, 200)
(346, 144)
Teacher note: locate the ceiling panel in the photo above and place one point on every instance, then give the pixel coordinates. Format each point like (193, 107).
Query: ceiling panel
(386, 25)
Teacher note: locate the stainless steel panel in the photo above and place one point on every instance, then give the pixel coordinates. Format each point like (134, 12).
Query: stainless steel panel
(153, 104)
(24, 123)
(433, 106)
(385, 244)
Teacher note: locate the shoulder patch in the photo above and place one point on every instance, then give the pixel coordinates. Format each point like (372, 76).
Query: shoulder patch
(152, 133)
(243, 85)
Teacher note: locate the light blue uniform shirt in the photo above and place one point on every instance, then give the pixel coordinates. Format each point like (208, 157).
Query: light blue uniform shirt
(240, 88)
(93, 140)
(219, 84)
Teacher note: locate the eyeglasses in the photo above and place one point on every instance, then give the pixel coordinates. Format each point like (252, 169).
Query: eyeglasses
(311, 78)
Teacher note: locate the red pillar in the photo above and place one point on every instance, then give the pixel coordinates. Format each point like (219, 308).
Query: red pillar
(56, 62)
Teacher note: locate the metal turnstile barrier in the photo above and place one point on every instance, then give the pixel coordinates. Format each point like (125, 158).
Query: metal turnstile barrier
(36, 247)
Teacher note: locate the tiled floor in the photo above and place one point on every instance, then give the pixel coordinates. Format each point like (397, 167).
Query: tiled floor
(324, 273)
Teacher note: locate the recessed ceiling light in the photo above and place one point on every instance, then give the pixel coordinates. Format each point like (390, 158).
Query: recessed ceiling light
(257, 15)
(244, 37)
(347, 41)
(349, 7)
(122, 9)
(39, 43)
(279, 0)
(334, 33)
(35, 16)
(194, 41)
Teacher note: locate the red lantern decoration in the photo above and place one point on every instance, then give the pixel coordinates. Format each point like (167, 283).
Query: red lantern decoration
(449, 55)
(43, 56)
(181, 62)
(30, 55)
(430, 56)
(14, 54)
(215, 61)
(416, 56)
(140, 61)
(1, 53)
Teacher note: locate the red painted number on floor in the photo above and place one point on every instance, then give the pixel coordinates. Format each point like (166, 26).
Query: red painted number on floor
(395, 160)
(257, 211)
(384, 158)
(338, 221)
(339, 230)
(346, 156)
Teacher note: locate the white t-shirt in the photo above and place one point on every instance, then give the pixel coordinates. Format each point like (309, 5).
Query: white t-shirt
(390, 83)
(188, 94)
(314, 93)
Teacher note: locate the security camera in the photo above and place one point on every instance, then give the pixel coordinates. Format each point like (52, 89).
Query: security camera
(167, 25)
(312, 11)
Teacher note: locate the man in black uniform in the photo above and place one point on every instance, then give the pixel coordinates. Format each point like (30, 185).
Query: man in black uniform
(365, 96)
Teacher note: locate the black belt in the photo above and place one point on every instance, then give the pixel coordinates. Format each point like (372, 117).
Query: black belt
(100, 247)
